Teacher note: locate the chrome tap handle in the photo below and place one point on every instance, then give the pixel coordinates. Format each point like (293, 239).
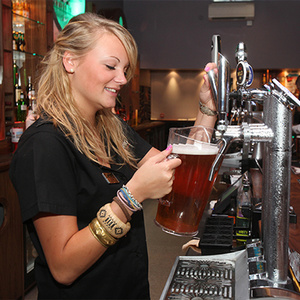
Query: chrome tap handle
(223, 92)
(219, 158)
(284, 95)
(215, 48)
(212, 78)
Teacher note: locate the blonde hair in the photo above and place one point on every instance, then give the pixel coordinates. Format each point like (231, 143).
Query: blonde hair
(55, 98)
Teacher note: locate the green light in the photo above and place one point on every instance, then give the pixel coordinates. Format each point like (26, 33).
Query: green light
(121, 21)
(64, 11)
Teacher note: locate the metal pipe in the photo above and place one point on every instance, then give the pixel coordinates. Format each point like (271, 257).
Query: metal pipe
(276, 193)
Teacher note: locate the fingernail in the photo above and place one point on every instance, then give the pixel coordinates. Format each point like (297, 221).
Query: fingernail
(169, 147)
(206, 69)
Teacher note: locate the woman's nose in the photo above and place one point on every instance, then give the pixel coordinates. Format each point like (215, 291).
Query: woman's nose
(121, 78)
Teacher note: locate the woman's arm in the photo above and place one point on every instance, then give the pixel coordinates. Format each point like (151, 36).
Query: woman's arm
(70, 252)
(207, 100)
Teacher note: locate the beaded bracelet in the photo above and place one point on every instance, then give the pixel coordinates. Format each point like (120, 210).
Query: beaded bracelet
(132, 202)
(123, 208)
(114, 226)
(126, 202)
(100, 234)
(206, 110)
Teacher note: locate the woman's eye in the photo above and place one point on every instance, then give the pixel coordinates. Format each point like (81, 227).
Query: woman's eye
(110, 67)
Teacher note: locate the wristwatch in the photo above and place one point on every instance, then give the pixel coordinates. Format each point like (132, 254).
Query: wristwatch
(207, 111)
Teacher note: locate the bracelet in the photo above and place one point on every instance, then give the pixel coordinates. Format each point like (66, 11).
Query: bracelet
(112, 224)
(206, 110)
(100, 234)
(122, 206)
(126, 201)
(126, 193)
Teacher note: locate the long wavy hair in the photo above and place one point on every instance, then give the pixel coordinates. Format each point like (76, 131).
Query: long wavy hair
(55, 99)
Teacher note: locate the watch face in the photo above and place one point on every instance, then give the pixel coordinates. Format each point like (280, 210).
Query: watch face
(64, 10)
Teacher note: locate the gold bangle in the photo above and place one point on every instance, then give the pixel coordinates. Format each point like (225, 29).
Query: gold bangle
(101, 235)
(206, 110)
(112, 224)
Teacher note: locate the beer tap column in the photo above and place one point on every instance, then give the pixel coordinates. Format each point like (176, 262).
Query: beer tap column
(276, 182)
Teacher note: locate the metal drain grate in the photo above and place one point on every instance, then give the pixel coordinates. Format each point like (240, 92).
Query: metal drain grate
(202, 279)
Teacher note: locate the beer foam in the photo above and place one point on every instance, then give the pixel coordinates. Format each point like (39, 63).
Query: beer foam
(195, 149)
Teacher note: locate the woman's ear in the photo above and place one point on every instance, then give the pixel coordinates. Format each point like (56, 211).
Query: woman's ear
(69, 62)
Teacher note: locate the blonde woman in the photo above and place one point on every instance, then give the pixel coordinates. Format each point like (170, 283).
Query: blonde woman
(81, 173)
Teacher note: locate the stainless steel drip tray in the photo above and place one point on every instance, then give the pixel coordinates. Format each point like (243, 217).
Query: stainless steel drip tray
(223, 276)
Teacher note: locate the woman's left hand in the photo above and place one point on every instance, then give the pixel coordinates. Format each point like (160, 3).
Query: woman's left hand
(205, 91)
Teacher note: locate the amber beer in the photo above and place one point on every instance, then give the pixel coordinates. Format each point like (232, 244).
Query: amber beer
(180, 211)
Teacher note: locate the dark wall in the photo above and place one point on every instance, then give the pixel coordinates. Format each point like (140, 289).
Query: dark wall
(177, 34)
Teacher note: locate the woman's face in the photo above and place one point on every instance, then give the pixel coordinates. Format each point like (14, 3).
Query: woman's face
(99, 75)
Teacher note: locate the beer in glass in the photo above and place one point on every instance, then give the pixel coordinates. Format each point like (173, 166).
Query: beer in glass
(180, 211)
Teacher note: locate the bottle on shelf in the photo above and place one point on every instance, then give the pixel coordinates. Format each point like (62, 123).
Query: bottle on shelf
(15, 39)
(21, 41)
(21, 108)
(17, 88)
(17, 7)
(243, 210)
(29, 90)
(15, 69)
(26, 9)
(32, 115)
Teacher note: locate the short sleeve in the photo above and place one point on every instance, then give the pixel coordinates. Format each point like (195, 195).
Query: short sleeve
(43, 173)
(140, 146)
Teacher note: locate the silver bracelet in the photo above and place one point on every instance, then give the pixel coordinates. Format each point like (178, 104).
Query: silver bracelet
(207, 111)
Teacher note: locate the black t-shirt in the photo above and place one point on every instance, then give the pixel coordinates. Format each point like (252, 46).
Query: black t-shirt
(51, 175)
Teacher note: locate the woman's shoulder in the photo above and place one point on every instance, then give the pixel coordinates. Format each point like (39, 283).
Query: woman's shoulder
(41, 128)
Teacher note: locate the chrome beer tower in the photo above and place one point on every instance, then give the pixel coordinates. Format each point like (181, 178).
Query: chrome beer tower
(274, 129)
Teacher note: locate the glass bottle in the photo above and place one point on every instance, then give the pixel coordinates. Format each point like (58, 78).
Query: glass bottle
(21, 108)
(243, 210)
(15, 68)
(17, 88)
(29, 90)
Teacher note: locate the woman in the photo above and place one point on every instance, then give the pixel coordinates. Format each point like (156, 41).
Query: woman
(81, 173)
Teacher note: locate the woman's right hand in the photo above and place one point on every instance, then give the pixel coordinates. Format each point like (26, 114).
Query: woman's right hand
(154, 179)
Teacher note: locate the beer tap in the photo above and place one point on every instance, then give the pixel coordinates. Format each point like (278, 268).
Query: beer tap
(274, 129)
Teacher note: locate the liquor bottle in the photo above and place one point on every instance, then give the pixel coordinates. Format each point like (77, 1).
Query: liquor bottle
(31, 115)
(15, 40)
(23, 43)
(19, 41)
(26, 12)
(18, 88)
(33, 101)
(17, 7)
(21, 108)
(29, 90)
(243, 210)
(15, 68)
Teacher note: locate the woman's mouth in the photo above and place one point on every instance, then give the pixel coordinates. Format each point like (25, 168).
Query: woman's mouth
(111, 90)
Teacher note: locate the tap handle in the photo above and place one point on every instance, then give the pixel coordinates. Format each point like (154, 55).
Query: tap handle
(241, 52)
(223, 92)
(215, 48)
(226, 141)
(289, 98)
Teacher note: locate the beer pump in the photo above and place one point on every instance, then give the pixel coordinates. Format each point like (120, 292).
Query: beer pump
(273, 128)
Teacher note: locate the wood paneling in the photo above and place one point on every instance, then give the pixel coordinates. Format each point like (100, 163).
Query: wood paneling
(11, 238)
